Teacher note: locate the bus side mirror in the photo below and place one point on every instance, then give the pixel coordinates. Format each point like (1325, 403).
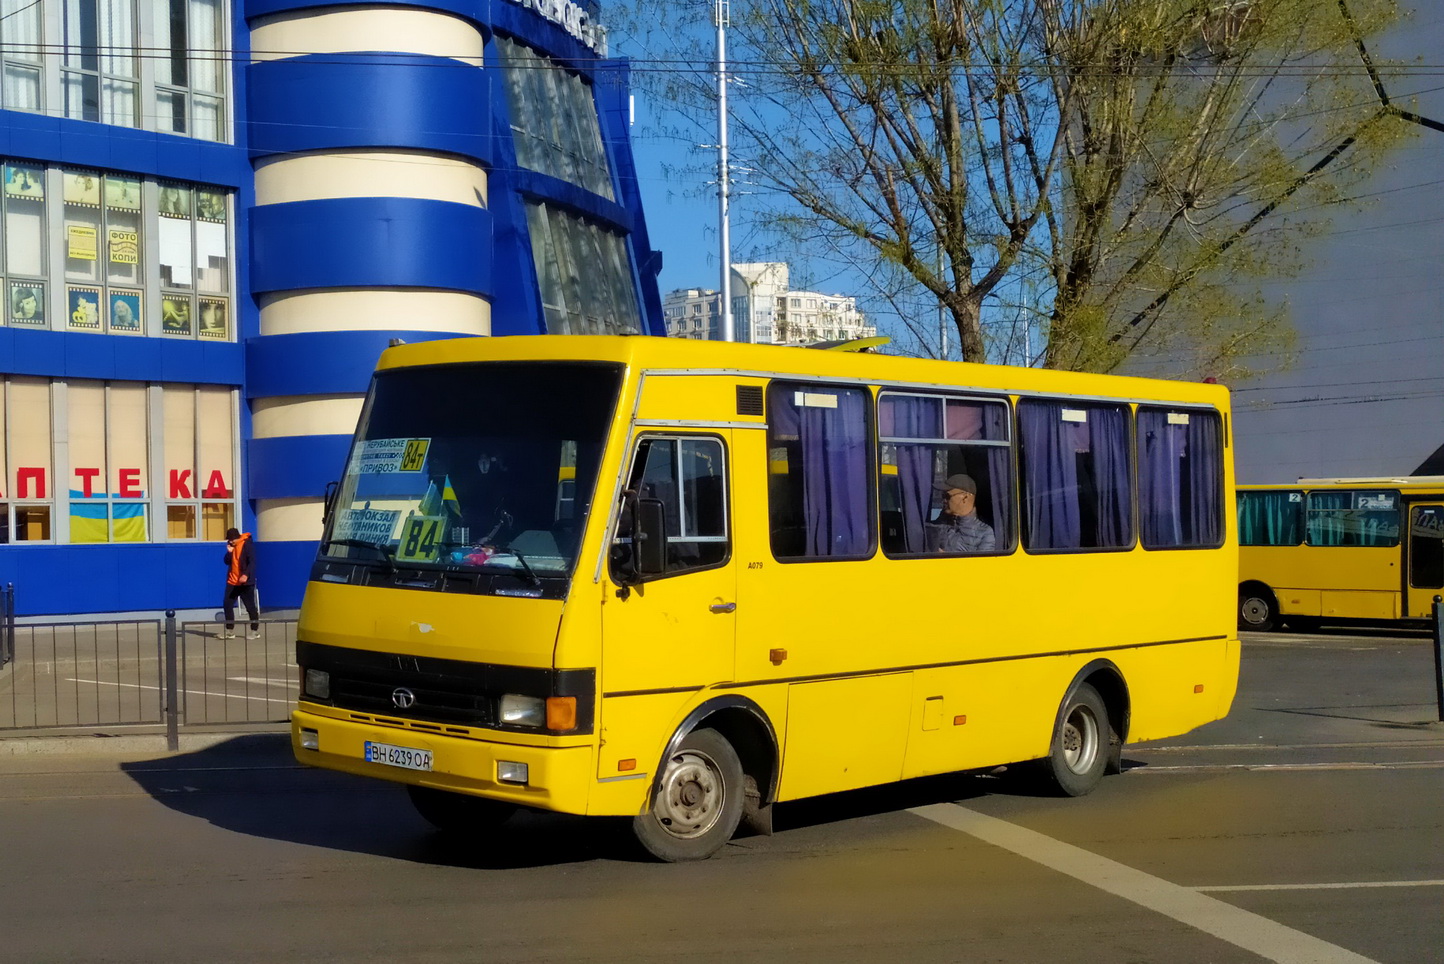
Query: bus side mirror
(330, 502)
(649, 538)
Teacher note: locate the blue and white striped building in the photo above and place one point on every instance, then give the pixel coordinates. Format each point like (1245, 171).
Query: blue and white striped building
(215, 217)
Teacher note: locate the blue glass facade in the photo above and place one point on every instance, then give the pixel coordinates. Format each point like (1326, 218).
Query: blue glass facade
(321, 272)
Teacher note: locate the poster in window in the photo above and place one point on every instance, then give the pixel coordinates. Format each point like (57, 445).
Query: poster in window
(122, 193)
(210, 205)
(175, 315)
(80, 242)
(84, 307)
(27, 303)
(214, 320)
(125, 311)
(82, 188)
(22, 181)
(124, 246)
(175, 201)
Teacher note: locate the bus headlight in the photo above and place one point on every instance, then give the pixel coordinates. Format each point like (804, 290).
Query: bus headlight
(317, 684)
(519, 710)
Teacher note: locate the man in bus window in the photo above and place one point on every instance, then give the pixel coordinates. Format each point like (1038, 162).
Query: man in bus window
(959, 529)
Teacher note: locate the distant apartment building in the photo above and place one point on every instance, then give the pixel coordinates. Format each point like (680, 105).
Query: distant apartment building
(765, 310)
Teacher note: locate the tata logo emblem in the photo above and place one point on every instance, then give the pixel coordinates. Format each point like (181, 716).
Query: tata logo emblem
(402, 698)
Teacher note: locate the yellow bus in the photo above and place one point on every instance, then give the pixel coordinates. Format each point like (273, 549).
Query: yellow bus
(749, 591)
(1339, 549)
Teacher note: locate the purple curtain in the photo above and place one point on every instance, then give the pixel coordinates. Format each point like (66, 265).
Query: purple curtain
(835, 495)
(914, 417)
(1205, 470)
(1178, 480)
(1160, 479)
(1050, 476)
(1108, 436)
(1053, 494)
(1000, 492)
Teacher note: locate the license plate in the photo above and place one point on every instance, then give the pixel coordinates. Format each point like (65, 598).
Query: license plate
(398, 756)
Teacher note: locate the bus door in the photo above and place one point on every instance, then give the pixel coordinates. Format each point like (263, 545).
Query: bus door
(675, 629)
(1425, 563)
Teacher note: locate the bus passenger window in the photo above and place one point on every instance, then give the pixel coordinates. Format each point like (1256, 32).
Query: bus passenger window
(819, 477)
(945, 475)
(1353, 517)
(1077, 480)
(1180, 479)
(689, 477)
(1271, 518)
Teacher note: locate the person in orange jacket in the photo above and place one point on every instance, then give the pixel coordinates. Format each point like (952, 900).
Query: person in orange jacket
(240, 562)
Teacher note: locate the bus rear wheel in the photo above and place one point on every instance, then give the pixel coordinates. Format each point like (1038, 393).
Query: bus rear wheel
(698, 801)
(1078, 754)
(1257, 611)
(458, 812)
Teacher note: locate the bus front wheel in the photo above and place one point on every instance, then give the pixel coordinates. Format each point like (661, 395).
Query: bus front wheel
(698, 801)
(1257, 611)
(458, 812)
(1079, 751)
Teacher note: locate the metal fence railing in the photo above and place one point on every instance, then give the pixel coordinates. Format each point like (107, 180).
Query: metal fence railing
(7, 624)
(143, 672)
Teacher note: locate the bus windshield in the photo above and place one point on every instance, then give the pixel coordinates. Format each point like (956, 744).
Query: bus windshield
(474, 469)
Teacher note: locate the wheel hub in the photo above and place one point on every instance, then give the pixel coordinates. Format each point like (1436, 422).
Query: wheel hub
(690, 799)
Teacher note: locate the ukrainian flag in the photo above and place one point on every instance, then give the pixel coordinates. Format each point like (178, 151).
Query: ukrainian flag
(448, 498)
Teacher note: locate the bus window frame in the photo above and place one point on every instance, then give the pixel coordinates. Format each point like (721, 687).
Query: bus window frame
(1130, 409)
(869, 392)
(1241, 493)
(615, 529)
(1013, 537)
(1399, 506)
(1223, 512)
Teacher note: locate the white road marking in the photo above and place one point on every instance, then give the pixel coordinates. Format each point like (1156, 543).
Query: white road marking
(140, 686)
(1258, 935)
(1341, 886)
(263, 680)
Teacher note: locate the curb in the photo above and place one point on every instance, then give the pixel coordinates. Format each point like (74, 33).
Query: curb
(153, 744)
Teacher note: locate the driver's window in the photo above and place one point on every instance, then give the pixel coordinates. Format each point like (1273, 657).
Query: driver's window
(688, 476)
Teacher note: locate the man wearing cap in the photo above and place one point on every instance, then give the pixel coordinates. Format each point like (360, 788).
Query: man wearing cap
(959, 529)
(240, 562)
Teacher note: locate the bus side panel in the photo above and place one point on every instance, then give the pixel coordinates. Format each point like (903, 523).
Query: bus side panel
(634, 733)
(983, 715)
(1340, 581)
(1175, 689)
(844, 734)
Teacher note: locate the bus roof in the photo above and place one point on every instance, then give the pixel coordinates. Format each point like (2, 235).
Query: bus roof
(681, 354)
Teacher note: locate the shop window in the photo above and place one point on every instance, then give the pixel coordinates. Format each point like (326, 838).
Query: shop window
(584, 274)
(109, 456)
(554, 119)
(25, 246)
(21, 68)
(199, 445)
(29, 492)
(99, 76)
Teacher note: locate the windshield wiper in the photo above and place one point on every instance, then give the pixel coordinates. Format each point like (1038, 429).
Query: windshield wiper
(526, 566)
(385, 551)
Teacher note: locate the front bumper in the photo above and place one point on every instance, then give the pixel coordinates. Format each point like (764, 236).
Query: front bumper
(559, 777)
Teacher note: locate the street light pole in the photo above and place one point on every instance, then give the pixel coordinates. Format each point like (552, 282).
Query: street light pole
(720, 15)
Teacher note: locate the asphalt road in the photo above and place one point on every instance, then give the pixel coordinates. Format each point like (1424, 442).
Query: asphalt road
(1305, 827)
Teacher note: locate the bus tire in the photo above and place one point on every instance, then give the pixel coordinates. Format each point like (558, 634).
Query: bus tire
(698, 800)
(1258, 612)
(1079, 751)
(458, 812)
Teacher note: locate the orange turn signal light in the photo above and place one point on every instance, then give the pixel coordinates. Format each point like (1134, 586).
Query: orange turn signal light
(625, 765)
(1198, 687)
(561, 712)
(960, 719)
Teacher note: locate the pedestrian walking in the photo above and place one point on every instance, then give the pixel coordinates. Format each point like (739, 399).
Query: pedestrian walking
(240, 562)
